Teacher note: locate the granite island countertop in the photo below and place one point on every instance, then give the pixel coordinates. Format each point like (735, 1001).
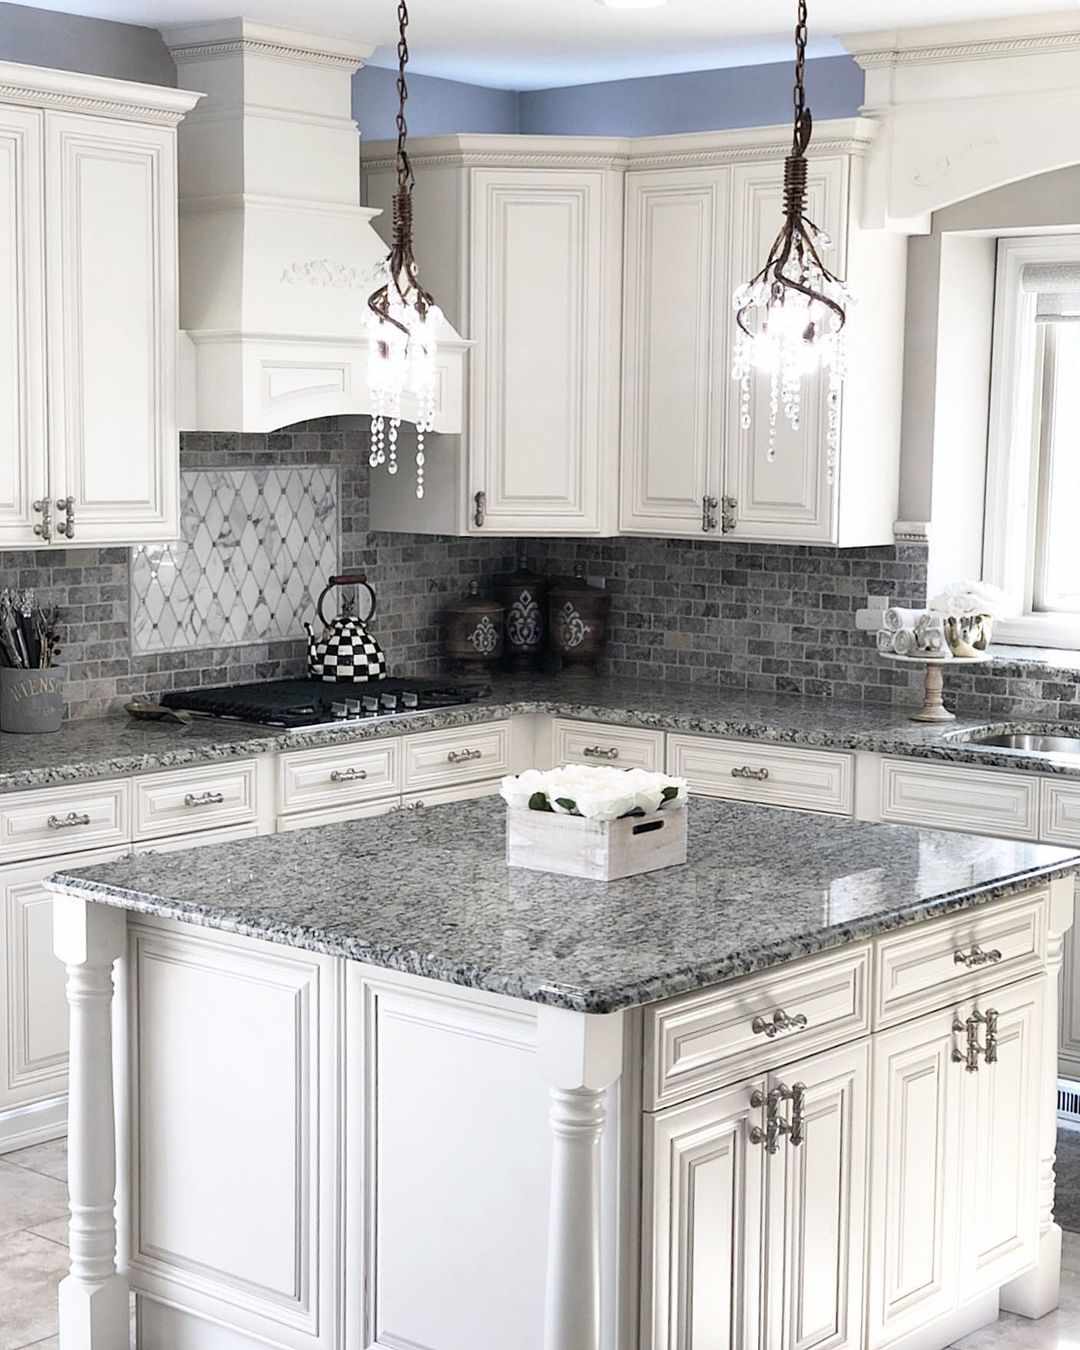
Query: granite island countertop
(119, 746)
(431, 894)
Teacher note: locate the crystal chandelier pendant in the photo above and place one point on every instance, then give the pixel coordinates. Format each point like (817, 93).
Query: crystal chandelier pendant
(791, 317)
(402, 319)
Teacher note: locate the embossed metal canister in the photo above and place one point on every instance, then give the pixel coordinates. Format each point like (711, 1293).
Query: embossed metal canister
(523, 595)
(577, 622)
(474, 630)
(31, 701)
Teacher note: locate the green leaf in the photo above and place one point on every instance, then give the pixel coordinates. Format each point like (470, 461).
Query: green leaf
(637, 811)
(568, 804)
(668, 794)
(539, 802)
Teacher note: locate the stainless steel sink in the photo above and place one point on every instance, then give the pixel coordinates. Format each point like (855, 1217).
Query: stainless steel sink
(1038, 745)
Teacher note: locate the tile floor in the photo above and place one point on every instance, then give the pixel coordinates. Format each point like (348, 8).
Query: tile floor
(33, 1258)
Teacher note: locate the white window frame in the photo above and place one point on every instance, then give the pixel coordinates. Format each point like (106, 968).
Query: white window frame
(1014, 447)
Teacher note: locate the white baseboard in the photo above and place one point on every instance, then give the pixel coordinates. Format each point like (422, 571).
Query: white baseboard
(36, 1123)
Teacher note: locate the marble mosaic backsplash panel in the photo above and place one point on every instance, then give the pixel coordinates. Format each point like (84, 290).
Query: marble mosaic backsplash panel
(258, 546)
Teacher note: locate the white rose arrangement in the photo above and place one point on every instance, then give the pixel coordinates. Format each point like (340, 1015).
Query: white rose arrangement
(594, 793)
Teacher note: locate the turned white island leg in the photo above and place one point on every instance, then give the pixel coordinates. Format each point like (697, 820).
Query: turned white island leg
(1037, 1293)
(581, 1056)
(93, 1299)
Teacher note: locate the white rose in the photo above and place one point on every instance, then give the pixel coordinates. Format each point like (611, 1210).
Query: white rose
(517, 789)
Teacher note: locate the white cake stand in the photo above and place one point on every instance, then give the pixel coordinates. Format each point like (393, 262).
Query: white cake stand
(933, 709)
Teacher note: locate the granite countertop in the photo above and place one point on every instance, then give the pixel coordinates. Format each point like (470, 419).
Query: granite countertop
(119, 746)
(431, 894)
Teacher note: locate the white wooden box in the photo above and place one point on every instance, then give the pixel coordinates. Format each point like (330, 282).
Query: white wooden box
(602, 850)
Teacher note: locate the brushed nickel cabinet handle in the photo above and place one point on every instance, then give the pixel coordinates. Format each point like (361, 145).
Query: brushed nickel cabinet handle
(729, 508)
(43, 529)
(204, 799)
(798, 1114)
(745, 771)
(780, 1021)
(775, 1124)
(977, 957)
(348, 775)
(68, 822)
(479, 515)
(66, 506)
(464, 756)
(708, 513)
(601, 752)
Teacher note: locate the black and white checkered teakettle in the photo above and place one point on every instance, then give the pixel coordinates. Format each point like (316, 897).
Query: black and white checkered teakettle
(346, 652)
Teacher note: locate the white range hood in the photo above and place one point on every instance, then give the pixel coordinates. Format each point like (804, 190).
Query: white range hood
(276, 252)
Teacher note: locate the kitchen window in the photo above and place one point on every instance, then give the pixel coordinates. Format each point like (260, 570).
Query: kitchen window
(1032, 532)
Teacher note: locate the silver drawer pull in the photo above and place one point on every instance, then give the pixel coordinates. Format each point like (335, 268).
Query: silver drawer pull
(68, 822)
(600, 752)
(745, 771)
(415, 806)
(204, 799)
(348, 775)
(977, 957)
(778, 1022)
(463, 756)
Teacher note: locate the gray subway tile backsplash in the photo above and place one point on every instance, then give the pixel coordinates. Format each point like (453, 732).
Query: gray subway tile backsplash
(762, 617)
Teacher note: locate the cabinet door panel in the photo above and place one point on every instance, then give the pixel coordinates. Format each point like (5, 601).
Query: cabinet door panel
(915, 1139)
(22, 345)
(702, 1243)
(817, 1208)
(674, 348)
(1001, 1130)
(540, 307)
(787, 496)
(112, 323)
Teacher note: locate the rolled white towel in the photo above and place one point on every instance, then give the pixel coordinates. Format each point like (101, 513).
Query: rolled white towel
(905, 643)
(930, 623)
(896, 618)
(885, 640)
(932, 642)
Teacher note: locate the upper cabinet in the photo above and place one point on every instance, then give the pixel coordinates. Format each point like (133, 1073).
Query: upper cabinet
(88, 290)
(603, 406)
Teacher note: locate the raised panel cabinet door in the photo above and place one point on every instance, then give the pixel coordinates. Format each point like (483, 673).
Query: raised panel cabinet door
(702, 1224)
(817, 1204)
(675, 350)
(33, 1007)
(1003, 1105)
(112, 317)
(1069, 1014)
(918, 1096)
(23, 478)
(780, 479)
(544, 266)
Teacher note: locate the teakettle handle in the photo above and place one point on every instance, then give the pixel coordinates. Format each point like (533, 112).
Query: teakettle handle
(349, 579)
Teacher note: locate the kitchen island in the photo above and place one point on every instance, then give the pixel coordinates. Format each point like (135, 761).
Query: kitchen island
(365, 1086)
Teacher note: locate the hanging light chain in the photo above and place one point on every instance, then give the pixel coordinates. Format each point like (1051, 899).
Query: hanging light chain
(801, 138)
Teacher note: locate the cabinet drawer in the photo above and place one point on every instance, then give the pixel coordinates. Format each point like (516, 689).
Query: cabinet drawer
(597, 743)
(950, 797)
(194, 799)
(63, 820)
(810, 780)
(460, 792)
(1059, 812)
(708, 1039)
(918, 970)
(441, 758)
(337, 776)
(201, 839)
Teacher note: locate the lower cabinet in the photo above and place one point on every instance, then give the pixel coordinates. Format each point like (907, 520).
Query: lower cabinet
(753, 1214)
(955, 1132)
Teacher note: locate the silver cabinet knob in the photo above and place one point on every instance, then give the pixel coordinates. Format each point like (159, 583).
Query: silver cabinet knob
(464, 756)
(780, 1021)
(747, 771)
(68, 822)
(348, 775)
(204, 798)
(601, 752)
(977, 957)
(66, 507)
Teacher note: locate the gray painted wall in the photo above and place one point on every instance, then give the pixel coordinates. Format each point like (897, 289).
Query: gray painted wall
(704, 100)
(39, 37)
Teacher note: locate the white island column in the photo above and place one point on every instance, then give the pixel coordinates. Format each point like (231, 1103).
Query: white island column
(582, 1057)
(93, 1299)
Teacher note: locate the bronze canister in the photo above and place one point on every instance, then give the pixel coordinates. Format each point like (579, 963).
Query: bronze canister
(523, 595)
(577, 621)
(474, 630)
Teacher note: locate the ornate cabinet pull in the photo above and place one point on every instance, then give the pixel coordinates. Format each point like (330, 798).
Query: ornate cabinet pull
(745, 771)
(204, 799)
(798, 1114)
(775, 1124)
(729, 508)
(480, 513)
(348, 775)
(977, 957)
(43, 529)
(708, 513)
(991, 1051)
(68, 822)
(600, 752)
(66, 506)
(780, 1021)
(463, 756)
(415, 806)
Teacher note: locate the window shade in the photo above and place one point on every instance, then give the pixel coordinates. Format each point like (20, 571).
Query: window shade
(1057, 285)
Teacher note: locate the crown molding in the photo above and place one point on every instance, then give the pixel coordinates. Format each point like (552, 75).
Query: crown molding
(241, 37)
(911, 531)
(988, 49)
(42, 87)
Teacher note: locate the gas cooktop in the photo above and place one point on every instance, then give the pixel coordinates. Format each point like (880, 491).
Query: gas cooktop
(302, 704)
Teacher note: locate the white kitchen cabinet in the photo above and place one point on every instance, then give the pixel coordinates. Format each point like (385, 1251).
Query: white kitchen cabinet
(676, 315)
(33, 1050)
(22, 326)
(88, 251)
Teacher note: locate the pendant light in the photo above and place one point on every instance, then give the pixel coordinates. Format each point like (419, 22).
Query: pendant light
(791, 316)
(402, 316)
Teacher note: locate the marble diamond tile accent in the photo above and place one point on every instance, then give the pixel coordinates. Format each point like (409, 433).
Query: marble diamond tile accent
(257, 547)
